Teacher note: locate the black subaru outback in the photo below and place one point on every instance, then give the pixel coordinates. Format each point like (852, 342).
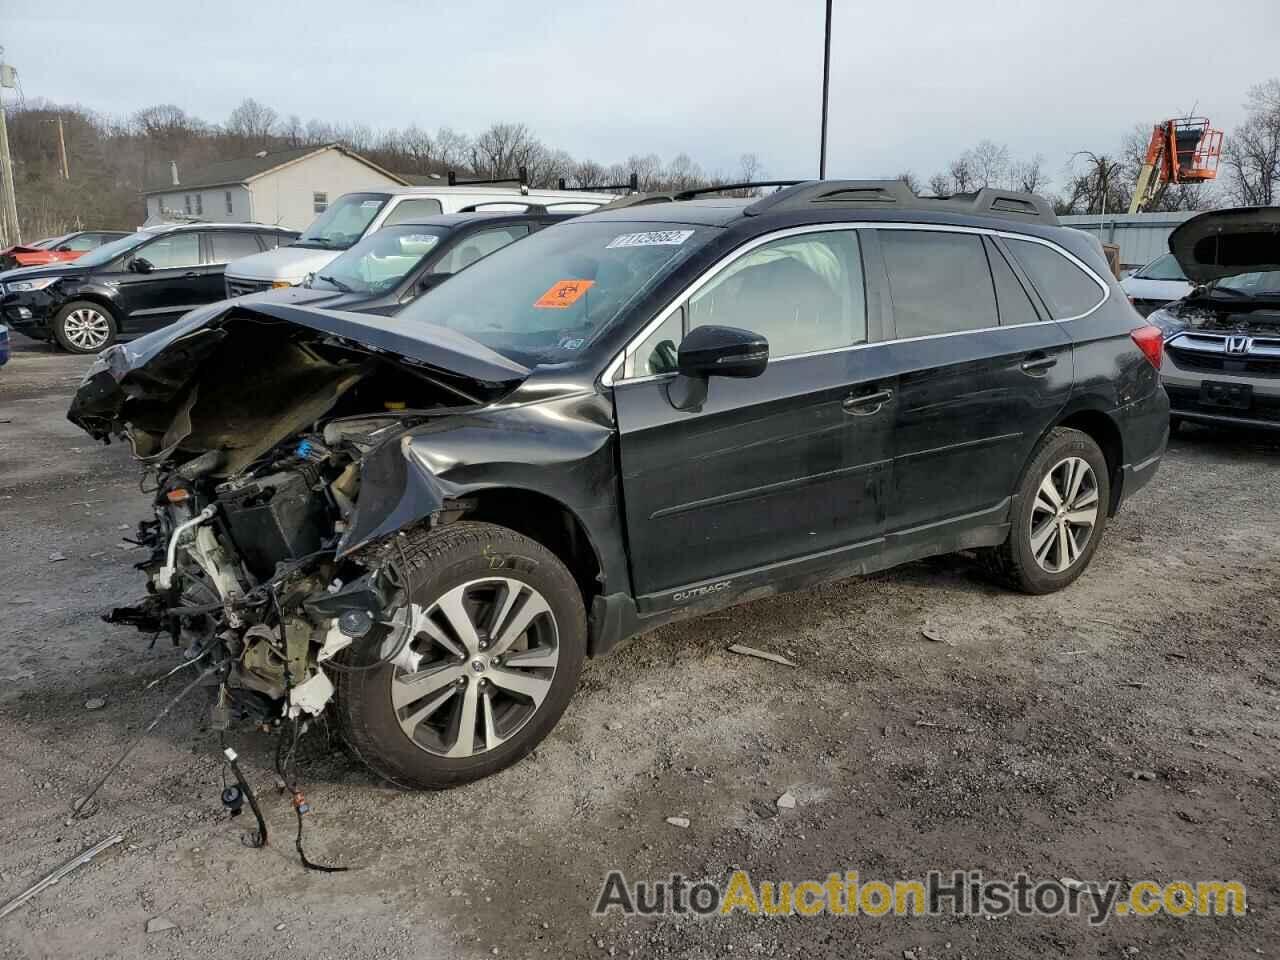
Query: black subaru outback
(428, 521)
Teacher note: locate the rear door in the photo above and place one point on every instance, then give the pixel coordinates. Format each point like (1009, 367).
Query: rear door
(170, 288)
(981, 373)
(223, 247)
(772, 474)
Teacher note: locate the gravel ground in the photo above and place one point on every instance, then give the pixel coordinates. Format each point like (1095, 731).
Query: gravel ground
(1008, 748)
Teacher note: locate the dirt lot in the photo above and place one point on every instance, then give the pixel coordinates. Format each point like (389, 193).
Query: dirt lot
(1009, 748)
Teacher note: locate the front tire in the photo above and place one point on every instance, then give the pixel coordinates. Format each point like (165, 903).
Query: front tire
(1061, 513)
(84, 327)
(476, 669)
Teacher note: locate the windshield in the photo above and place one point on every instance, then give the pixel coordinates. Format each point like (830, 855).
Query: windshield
(109, 251)
(344, 222)
(379, 261)
(48, 243)
(544, 299)
(1265, 283)
(1162, 268)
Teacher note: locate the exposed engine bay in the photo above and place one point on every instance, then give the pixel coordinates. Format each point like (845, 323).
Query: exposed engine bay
(1220, 315)
(254, 432)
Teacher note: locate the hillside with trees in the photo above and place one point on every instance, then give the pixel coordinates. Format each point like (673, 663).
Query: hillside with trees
(111, 160)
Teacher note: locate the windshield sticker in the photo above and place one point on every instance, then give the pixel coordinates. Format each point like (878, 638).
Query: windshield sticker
(656, 238)
(371, 203)
(563, 294)
(574, 344)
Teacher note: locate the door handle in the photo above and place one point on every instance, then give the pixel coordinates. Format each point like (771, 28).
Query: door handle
(1038, 365)
(865, 404)
(191, 273)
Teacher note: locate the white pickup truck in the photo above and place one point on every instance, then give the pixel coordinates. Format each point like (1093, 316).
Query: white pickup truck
(353, 215)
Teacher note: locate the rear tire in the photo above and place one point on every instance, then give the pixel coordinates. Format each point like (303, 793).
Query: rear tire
(1061, 512)
(480, 666)
(1175, 424)
(84, 327)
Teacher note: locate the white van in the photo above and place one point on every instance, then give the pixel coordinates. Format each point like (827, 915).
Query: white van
(353, 215)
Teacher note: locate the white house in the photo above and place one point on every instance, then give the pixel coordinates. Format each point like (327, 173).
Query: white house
(286, 188)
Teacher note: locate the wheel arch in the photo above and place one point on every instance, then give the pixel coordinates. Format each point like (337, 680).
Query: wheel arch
(89, 295)
(548, 521)
(1105, 432)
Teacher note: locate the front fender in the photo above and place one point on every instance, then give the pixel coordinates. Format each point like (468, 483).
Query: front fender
(561, 448)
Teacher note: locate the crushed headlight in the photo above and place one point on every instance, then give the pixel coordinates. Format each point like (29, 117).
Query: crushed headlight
(26, 286)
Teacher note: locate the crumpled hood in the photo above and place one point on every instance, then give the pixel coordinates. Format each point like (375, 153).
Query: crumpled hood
(165, 365)
(1225, 243)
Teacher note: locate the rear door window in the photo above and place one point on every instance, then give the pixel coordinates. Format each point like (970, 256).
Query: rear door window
(1014, 302)
(939, 282)
(1068, 290)
(409, 211)
(228, 245)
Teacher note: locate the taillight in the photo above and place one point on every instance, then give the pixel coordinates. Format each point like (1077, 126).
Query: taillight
(1150, 340)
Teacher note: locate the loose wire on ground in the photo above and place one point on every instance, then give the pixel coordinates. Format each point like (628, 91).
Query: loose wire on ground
(83, 802)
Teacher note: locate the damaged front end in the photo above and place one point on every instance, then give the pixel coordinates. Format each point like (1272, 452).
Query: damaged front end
(255, 425)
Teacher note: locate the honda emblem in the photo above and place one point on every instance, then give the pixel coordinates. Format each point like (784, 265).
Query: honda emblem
(1238, 345)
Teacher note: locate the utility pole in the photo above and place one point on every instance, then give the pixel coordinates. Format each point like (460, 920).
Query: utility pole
(826, 84)
(62, 147)
(9, 233)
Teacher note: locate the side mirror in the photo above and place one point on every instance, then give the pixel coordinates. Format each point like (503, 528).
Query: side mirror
(64, 249)
(714, 351)
(429, 281)
(140, 265)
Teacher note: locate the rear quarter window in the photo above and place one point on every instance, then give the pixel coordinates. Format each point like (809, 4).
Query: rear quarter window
(1067, 290)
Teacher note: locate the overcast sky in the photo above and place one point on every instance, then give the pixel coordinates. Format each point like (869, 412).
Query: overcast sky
(914, 82)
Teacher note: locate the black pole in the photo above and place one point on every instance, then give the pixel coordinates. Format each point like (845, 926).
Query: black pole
(826, 83)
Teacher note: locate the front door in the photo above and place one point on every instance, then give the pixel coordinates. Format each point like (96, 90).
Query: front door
(171, 286)
(981, 374)
(779, 472)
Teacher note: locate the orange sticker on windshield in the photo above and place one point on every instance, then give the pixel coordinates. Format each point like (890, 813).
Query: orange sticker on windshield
(563, 294)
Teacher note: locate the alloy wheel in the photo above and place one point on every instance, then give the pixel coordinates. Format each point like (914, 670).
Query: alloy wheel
(474, 667)
(1064, 514)
(86, 328)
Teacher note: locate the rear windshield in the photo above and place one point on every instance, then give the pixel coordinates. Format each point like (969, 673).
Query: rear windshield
(344, 222)
(545, 299)
(380, 261)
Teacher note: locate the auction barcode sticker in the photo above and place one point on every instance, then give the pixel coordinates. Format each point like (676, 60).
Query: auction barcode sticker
(655, 238)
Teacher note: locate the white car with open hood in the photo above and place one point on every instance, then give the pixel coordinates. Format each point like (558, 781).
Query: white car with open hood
(354, 215)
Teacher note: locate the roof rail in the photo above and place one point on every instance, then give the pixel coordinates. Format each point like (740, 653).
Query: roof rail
(720, 188)
(882, 194)
(522, 179)
(631, 186)
(535, 209)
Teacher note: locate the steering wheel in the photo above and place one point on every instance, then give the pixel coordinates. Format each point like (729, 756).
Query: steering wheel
(667, 357)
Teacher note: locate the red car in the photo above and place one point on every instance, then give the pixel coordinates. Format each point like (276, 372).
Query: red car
(56, 249)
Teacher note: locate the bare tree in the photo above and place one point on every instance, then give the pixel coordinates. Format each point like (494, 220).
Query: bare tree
(989, 164)
(1029, 175)
(911, 180)
(940, 185)
(961, 175)
(252, 121)
(1102, 188)
(1251, 155)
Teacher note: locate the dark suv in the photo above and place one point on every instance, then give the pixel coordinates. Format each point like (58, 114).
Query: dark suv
(132, 285)
(638, 415)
